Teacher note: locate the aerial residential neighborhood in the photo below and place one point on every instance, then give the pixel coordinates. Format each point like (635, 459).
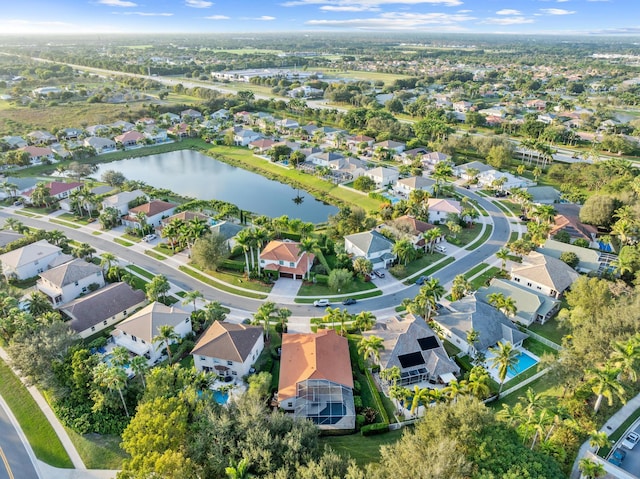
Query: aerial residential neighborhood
(327, 253)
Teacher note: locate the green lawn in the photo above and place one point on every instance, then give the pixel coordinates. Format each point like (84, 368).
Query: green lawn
(43, 439)
(75, 219)
(369, 294)
(363, 449)
(220, 286)
(64, 223)
(485, 236)
(238, 279)
(538, 348)
(140, 271)
(122, 242)
(475, 270)
(482, 279)
(316, 289)
(154, 255)
(98, 452)
(553, 330)
(515, 208)
(427, 260)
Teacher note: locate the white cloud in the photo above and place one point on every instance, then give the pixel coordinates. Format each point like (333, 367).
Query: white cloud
(263, 18)
(507, 21)
(556, 11)
(198, 3)
(217, 17)
(118, 3)
(145, 14)
(349, 8)
(18, 26)
(370, 3)
(508, 11)
(399, 21)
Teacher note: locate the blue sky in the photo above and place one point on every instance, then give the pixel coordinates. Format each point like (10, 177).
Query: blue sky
(217, 16)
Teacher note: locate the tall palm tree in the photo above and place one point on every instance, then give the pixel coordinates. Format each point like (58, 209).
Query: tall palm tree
(283, 317)
(626, 356)
(107, 260)
(431, 236)
(399, 394)
(605, 384)
(454, 389)
(84, 251)
(307, 245)
(391, 375)
(263, 316)
(112, 378)
(365, 320)
(598, 440)
(38, 304)
(166, 335)
(503, 255)
(192, 297)
(431, 291)
(420, 396)
(370, 347)
(140, 366)
(505, 358)
(591, 469)
(404, 250)
(243, 238)
(478, 382)
(14, 224)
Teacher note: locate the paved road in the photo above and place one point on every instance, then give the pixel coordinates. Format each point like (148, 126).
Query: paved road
(15, 462)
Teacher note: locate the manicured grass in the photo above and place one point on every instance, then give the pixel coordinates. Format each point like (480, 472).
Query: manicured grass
(132, 238)
(514, 236)
(75, 219)
(475, 270)
(538, 348)
(338, 299)
(25, 213)
(450, 348)
(482, 279)
(220, 286)
(122, 242)
(64, 223)
(466, 236)
(485, 236)
(427, 260)
(97, 451)
(521, 377)
(154, 255)
(363, 449)
(316, 289)
(96, 233)
(140, 271)
(553, 330)
(164, 249)
(43, 439)
(238, 279)
(515, 208)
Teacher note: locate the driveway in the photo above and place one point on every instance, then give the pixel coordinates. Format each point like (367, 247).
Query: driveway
(284, 290)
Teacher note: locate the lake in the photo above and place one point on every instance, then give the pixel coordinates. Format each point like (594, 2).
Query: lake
(190, 173)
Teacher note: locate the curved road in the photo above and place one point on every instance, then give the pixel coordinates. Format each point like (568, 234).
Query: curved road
(242, 305)
(15, 461)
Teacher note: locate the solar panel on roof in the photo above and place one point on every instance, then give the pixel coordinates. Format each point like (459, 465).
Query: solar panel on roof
(410, 360)
(428, 343)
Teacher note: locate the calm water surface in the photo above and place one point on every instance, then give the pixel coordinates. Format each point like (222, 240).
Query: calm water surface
(190, 173)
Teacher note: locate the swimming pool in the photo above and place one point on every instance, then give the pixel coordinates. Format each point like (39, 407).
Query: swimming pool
(221, 397)
(524, 362)
(393, 199)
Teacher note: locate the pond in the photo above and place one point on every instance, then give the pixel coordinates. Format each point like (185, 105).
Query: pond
(190, 173)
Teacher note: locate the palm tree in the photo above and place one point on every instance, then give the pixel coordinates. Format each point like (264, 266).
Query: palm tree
(14, 224)
(419, 396)
(503, 255)
(626, 356)
(505, 358)
(263, 316)
(398, 394)
(112, 378)
(119, 356)
(283, 317)
(140, 366)
(307, 245)
(243, 238)
(472, 338)
(10, 188)
(478, 382)
(239, 470)
(431, 236)
(84, 251)
(454, 389)
(192, 297)
(370, 347)
(107, 260)
(365, 320)
(404, 250)
(431, 291)
(166, 335)
(171, 231)
(605, 384)
(196, 227)
(598, 440)
(591, 469)
(38, 304)
(391, 375)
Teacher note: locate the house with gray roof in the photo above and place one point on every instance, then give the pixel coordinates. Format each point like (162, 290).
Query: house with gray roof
(543, 273)
(139, 331)
(7, 237)
(383, 176)
(228, 349)
(14, 141)
(590, 260)
(405, 186)
(461, 171)
(22, 185)
(30, 260)
(471, 314)
(121, 201)
(99, 144)
(532, 306)
(412, 346)
(69, 280)
(371, 245)
(103, 308)
(543, 195)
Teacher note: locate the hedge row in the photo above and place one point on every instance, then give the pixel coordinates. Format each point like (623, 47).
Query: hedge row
(374, 429)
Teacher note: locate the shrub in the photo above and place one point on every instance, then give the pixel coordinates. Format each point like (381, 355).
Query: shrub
(374, 429)
(357, 402)
(357, 387)
(360, 421)
(322, 279)
(232, 265)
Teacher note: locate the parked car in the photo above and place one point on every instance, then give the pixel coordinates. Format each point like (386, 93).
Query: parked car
(440, 249)
(631, 440)
(619, 454)
(378, 273)
(614, 461)
(321, 303)
(17, 203)
(349, 301)
(149, 237)
(420, 281)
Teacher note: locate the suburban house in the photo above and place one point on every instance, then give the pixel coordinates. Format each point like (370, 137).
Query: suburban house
(440, 208)
(31, 260)
(305, 91)
(22, 185)
(123, 125)
(103, 308)
(356, 140)
(543, 195)
(316, 381)
(121, 201)
(221, 114)
(170, 118)
(180, 130)
(41, 137)
(568, 219)
(544, 273)
(325, 158)
(470, 314)
(409, 156)
(14, 141)
(228, 349)
(590, 260)
(412, 346)
(469, 171)
(153, 212)
(431, 159)
(69, 280)
(243, 137)
(532, 306)
(261, 145)
(60, 190)
(371, 245)
(155, 135)
(190, 114)
(414, 229)
(383, 176)
(187, 216)
(502, 179)
(405, 186)
(395, 147)
(100, 145)
(8, 237)
(37, 154)
(287, 124)
(285, 258)
(130, 138)
(139, 331)
(70, 134)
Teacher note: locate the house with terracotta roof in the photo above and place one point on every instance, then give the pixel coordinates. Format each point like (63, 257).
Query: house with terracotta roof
(439, 208)
(68, 281)
(153, 212)
(370, 245)
(568, 219)
(105, 307)
(137, 333)
(412, 346)
(356, 140)
(413, 229)
(228, 349)
(181, 130)
(38, 153)
(316, 380)
(262, 145)
(130, 138)
(285, 258)
(57, 189)
(544, 273)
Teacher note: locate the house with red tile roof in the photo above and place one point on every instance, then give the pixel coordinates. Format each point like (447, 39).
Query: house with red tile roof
(285, 258)
(38, 153)
(130, 138)
(153, 211)
(316, 380)
(58, 189)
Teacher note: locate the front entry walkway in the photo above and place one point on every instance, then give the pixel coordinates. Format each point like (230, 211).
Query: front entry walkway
(284, 289)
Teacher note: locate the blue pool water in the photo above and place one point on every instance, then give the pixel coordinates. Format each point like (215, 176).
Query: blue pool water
(393, 199)
(220, 397)
(524, 362)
